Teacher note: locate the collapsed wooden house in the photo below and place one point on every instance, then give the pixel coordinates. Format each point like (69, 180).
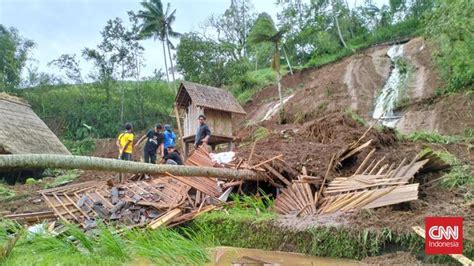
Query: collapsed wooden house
(218, 105)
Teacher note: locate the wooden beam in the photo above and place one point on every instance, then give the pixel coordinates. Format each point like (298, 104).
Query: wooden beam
(459, 257)
(180, 131)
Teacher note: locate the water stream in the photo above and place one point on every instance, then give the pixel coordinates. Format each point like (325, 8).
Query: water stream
(385, 103)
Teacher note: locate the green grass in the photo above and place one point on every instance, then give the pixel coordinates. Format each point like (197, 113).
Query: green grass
(260, 133)
(80, 147)
(458, 176)
(354, 116)
(104, 247)
(433, 137)
(6, 192)
(252, 82)
(245, 208)
(63, 178)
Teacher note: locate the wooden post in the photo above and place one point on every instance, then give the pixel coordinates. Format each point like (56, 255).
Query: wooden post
(186, 150)
(180, 131)
(230, 146)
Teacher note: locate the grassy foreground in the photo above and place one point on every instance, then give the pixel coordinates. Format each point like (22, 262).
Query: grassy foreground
(247, 224)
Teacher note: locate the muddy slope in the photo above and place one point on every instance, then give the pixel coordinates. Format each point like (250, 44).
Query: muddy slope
(354, 83)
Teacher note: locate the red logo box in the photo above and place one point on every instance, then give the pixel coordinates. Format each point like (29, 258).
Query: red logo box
(443, 235)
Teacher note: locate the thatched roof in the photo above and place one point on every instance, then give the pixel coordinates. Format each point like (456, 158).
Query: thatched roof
(207, 96)
(22, 131)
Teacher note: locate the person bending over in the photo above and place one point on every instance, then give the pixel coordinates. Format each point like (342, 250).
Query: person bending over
(153, 144)
(173, 156)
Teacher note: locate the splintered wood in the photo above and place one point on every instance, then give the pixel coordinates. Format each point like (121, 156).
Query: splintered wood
(374, 184)
(155, 201)
(144, 200)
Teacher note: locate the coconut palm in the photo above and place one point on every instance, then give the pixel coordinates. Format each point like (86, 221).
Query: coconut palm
(167, 32)
(156, 24)
(264, 30)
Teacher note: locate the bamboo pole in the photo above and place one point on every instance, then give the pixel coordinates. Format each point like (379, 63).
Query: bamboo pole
(41, 161)
(180, 131)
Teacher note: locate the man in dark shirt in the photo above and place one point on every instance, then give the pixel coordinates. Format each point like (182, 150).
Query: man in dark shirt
(154, 142)
(173, 156)
(203, 133)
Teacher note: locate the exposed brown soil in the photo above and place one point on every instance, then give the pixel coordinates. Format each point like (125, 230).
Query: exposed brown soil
(397, 258)
(354, 82)
(313, 144)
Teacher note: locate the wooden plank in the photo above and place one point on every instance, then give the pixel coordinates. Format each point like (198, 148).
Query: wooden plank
(391, 196)
(361, 166)
(318, 196)
(355, 150)
(180, 131)
(267, 161)
(54, 209)
(277, 174)
(459, 257)
(164, 219)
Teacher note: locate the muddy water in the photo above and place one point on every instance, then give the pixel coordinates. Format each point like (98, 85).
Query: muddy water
(274, 107)
(390, 94)
(243, 256)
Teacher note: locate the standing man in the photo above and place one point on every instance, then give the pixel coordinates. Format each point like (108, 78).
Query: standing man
(170, 138)
(125, 143)
(153, 143)
(203, 133)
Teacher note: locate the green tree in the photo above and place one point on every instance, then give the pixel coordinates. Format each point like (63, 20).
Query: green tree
(14, 51)
(450, 27)
(200, 60)
(233, 27)
(157, 24)
(264, 31)
(116, 57)
(70, 66)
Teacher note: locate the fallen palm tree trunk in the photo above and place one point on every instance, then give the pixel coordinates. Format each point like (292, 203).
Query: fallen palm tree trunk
(38, 161)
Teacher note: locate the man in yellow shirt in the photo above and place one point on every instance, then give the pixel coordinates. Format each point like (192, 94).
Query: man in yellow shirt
(125, 143)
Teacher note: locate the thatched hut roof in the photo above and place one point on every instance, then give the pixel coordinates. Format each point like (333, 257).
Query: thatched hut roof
(22, 131)
(208, 97)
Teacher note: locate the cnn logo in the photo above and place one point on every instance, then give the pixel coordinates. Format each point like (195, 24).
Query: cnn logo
(444, 232)
(443, 235)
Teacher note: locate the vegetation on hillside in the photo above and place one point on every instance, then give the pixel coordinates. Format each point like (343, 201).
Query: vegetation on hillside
(221, 53)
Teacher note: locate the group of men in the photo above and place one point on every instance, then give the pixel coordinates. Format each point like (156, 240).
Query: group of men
(160, 141)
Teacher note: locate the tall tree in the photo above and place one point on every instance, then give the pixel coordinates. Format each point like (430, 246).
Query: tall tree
(14, 52)
(167, 32)
(157, 24)
(70, 66)
(116, 57)
(151, 25)
(233, 27)
(264, 30)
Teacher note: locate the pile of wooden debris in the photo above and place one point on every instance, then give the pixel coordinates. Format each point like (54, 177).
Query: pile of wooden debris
(157, 200)
(372, 185)
(143, 200)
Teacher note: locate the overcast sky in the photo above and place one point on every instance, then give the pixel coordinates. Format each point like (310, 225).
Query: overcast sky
(67, 26)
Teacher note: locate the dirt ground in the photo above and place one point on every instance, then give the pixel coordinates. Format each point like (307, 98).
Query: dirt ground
(397, 258)
(354, 83)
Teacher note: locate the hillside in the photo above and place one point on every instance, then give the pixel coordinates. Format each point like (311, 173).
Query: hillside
(353, 83)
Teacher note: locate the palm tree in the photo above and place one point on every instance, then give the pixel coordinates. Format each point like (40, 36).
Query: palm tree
(156, 24)
(152, 24)
(264, 30)
(166, 33)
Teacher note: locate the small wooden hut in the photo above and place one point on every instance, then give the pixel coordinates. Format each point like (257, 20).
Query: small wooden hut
(216, 104)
